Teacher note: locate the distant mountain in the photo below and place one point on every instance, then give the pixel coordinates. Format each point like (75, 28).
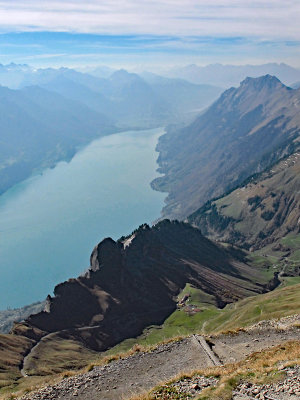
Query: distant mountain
(181, 95)
(243, 132)
(134, 103)
(296, 85)
(101, 71)
(12, 75)
(8, 317)
(59, 110)
(127, 99)
(134, 282)
(231, 75)
(124, 97)
(39, 128)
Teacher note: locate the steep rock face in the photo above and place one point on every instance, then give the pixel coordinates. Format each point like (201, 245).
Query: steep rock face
(243, 132)
(258, 213)
(134, 283)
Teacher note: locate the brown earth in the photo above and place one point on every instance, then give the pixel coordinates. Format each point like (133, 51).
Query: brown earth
(142, 371)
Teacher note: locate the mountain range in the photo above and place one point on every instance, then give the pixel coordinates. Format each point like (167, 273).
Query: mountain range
(40, 128)
(246, 130)
(231, 75)
(53, 112)
(233, 180)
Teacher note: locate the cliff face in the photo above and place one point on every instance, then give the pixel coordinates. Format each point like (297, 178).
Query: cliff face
(134, 283)
(246, 130)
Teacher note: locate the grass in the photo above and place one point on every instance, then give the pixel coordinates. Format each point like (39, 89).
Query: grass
(59, 357)
(276, 304)
(290, 281)
(197, 296)
(12, 349)
(295, 256)
(292, 240)
(267, 264)
(259, 368)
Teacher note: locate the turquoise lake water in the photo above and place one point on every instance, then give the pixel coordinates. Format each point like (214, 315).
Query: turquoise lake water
(50, 223)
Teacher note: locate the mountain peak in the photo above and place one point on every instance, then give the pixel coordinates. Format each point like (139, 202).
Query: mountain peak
(122, 74)
(268, 81)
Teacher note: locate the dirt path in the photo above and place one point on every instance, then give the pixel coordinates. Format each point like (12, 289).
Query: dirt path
(235, 347)
(140, 372)
(122, 379)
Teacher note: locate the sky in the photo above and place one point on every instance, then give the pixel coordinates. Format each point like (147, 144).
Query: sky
(149, 33)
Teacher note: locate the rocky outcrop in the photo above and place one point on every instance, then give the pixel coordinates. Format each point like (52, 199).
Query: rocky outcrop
(130, 287)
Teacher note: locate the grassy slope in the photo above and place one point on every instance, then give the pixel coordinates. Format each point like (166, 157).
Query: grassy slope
(12, 349)
(281, 302)
(60, 355)
(265, 208)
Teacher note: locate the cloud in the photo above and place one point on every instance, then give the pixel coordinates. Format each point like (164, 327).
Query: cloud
(272, 19)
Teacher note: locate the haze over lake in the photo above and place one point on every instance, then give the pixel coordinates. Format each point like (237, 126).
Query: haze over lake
(51, 222)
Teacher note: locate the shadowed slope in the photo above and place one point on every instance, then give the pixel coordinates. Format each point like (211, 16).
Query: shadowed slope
(133, 284)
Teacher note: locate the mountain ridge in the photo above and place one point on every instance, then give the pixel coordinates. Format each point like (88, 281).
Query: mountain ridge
(131, 286)
(243, 132)
(39, 128)
(226, 75)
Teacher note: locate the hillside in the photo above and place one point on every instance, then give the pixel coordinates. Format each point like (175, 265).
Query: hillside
(39, 128)
(174, 357)
(134, 284)
(259, 213)
(246, 130)
(8, 317)
(158, 283)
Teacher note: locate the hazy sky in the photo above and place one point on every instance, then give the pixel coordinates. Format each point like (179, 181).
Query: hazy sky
(149, 32)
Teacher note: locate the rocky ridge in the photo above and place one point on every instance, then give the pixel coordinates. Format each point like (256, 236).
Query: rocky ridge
(130, 287)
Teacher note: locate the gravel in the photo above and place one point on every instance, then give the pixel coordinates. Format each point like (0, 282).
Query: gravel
(287, 389)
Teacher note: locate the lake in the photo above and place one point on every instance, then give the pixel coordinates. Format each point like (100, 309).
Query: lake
(50, 223)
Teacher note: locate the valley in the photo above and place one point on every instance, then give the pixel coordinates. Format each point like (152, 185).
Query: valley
(115, 372)
(149, 200)
(48, 114)
(110, 177)
(207, 291)
(244, 132)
